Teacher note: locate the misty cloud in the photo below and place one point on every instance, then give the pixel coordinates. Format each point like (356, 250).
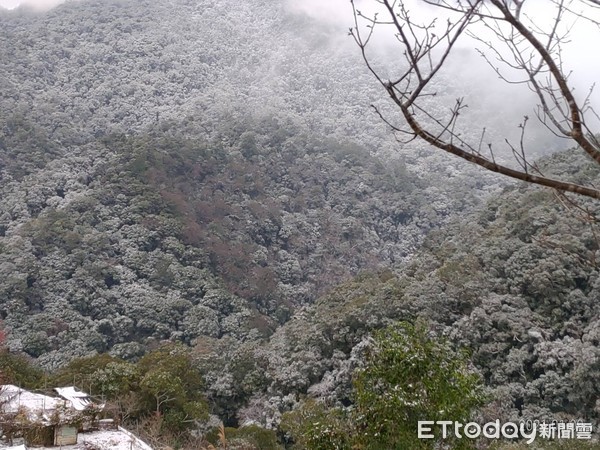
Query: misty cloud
(41, 5)
(332, 11)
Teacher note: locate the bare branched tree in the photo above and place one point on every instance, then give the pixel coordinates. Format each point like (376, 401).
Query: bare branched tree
(519, 48)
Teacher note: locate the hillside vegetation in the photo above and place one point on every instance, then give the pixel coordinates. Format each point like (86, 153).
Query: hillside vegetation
(160, 185)
(196, 203)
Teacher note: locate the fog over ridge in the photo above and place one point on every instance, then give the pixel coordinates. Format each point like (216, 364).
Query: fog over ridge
(466, 66)
(42, 5)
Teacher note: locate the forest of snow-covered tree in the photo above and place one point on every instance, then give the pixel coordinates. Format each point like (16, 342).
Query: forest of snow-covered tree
(258, 161)
(211, 174)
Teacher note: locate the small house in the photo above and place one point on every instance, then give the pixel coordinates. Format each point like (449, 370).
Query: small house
(44, 420)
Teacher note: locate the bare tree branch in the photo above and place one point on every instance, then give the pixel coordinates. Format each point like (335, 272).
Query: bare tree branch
(529, 50)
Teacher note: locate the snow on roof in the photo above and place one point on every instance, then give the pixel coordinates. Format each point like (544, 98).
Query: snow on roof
(40, 407)
(79, 400)
(14, 398)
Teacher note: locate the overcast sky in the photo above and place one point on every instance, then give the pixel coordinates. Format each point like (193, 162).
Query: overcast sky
(39, 4)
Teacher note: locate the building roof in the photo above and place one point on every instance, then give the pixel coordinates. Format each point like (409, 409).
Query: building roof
(78, 399)
(14, 399)
(40, 408)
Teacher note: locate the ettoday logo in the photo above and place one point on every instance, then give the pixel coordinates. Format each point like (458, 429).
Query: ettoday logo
(510, 430)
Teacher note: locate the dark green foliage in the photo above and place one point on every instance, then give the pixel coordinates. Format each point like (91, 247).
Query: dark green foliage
(314, 426)
(408, 376)
(101, 375)
(411, 376)
(20, 371)
(170, 385)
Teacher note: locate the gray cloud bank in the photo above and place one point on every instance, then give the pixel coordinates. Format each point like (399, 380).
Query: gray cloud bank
(36, 4)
